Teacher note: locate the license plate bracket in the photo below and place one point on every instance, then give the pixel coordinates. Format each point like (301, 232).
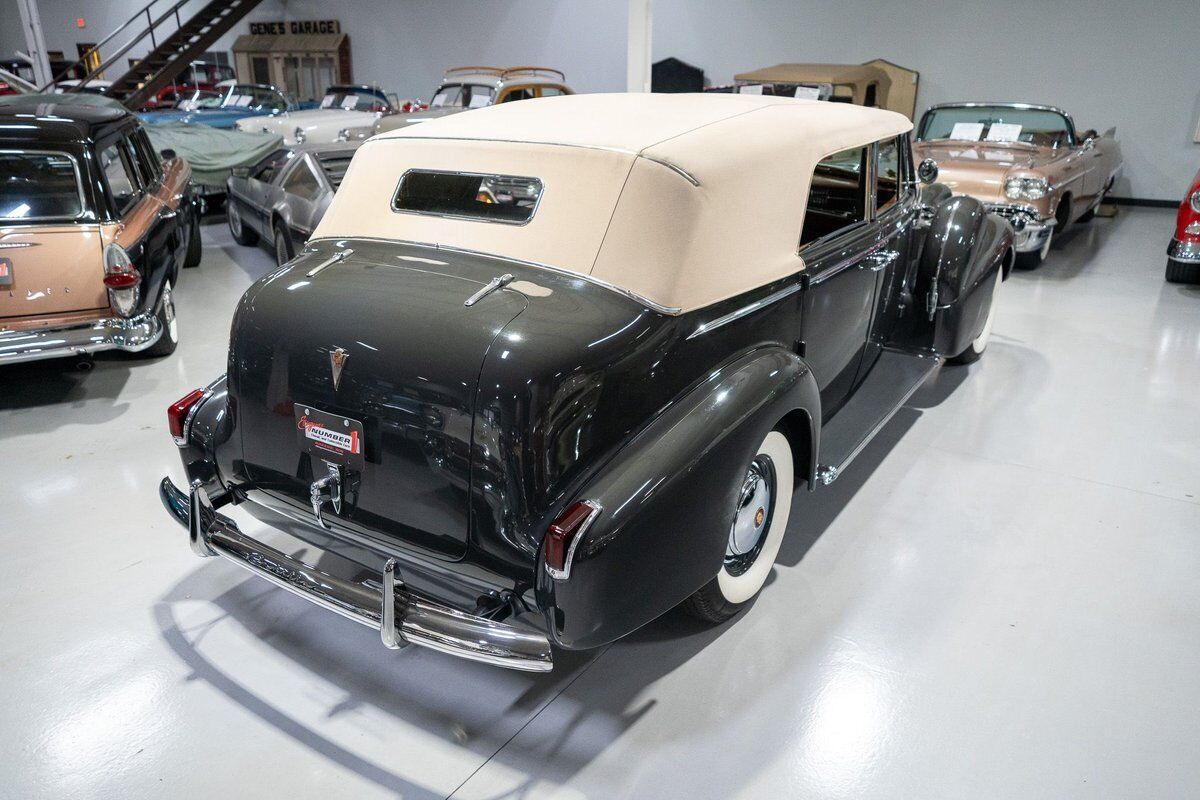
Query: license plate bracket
(333, 438)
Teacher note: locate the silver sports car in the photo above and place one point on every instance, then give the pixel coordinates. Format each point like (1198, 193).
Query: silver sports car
(283, 197)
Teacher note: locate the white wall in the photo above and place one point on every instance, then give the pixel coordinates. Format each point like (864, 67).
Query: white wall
(1108, 62)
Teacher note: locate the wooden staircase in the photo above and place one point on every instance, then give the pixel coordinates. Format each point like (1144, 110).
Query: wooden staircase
(169, 56)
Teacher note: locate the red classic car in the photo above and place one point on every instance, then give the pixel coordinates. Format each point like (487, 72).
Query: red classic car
(200, 75)
(1183, 254)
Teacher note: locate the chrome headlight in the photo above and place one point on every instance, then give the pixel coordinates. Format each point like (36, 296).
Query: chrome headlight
(1035, 188)
(1028, 188)
(1194, 201)
(299, 134)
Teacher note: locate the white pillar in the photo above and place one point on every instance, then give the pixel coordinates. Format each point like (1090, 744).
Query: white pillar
(35, 43)
(637, 69)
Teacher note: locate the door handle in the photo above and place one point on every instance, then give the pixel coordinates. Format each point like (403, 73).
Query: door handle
(879, 260)
(171, 213)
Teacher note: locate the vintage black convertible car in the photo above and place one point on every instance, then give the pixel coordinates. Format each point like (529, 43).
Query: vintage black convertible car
(550, 369)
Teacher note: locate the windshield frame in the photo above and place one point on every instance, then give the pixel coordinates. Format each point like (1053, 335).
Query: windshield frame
(344, 90)
(927, 117)
(492, 90)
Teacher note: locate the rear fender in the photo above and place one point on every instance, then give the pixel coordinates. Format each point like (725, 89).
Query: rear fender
(964, 248)
(668, 499)
(209, 427)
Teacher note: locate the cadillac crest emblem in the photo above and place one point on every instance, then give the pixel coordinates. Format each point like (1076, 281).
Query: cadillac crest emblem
(337, 360)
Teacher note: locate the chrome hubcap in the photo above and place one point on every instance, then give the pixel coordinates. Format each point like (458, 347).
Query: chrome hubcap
(752, 518)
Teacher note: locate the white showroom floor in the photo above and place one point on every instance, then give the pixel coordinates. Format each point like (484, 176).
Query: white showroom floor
(1001, 598)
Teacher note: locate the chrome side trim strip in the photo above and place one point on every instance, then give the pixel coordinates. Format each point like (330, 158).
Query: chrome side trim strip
(763, 302)
(411, 618)
(670, 311)
(678, 170)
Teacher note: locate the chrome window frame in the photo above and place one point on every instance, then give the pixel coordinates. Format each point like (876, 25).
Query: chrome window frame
(918, 131)
(868, 171)
(468, 217)
(84, 211)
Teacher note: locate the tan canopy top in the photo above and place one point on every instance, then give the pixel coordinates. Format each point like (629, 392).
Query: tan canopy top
(681, 199)
(896, 86)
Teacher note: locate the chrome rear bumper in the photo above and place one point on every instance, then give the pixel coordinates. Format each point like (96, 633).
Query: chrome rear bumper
(112, 333)
(385, 604)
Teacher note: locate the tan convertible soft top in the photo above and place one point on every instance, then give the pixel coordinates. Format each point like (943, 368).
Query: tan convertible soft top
(683, 199)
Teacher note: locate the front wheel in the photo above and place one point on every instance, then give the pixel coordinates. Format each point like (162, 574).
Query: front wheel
(242, 234)
(760, 517)
(975, 349)
(1033, 258)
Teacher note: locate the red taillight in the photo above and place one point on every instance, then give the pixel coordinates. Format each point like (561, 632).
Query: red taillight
(565, 533)
(122, 280)
(177, 412)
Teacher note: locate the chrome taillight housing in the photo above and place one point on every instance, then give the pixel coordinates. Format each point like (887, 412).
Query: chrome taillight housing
(1194, 201)
(122, 279)
(564, 535)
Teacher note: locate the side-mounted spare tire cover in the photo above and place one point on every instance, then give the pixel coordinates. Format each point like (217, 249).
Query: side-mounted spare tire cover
(964, 247)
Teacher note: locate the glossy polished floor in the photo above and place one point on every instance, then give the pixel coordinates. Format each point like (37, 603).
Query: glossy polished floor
(999, 598)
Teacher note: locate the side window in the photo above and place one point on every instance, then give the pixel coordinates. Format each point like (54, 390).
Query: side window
(520, 93)
(119, 174)
(552, 91)
(302, 182)
(887, 173)
(837, 194)
(265, 170)
(149, 155)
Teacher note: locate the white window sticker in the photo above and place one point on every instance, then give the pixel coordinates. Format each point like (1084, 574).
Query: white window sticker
(1004, 132)
(327, 101)
(243, 100)
(479, 100)
(967, 131)
(439, 100)
(350, 101)
(808, 93)
(755, 89)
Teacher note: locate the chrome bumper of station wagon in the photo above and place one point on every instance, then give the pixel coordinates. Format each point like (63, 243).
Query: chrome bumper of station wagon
(82, 338)
(382, 602)
(1187, 252)
(1030, 229)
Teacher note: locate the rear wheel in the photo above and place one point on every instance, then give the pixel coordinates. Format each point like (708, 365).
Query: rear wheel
(1182, 272)
(760, 517)
(237, 226)
(975, 349)
(283, 245)
(170, 326)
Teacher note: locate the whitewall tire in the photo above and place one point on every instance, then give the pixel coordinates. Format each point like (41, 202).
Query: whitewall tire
(975, 349)
(758, 522)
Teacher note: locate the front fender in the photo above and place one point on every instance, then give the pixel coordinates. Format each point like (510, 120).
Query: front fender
(965, 246)
(668, 499)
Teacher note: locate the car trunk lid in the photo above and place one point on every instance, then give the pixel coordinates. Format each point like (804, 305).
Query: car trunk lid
(51, 270)
(411, 354)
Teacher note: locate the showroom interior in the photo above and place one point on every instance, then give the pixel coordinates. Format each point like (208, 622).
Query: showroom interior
(688, 399)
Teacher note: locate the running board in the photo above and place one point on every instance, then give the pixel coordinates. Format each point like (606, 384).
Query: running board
(886, 389)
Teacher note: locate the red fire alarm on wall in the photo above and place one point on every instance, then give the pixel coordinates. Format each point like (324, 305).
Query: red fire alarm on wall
(80, 22)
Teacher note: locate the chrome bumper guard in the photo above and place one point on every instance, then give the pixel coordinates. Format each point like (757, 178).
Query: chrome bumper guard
(1187, 252)
(1029, 229)
(386, 605)
(113, 333)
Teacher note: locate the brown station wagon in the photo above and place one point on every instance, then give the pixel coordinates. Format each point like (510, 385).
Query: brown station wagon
(94, 227)
(1026, 163)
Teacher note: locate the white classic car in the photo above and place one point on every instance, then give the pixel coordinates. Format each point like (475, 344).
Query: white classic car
(343, 107)
(464, 88)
